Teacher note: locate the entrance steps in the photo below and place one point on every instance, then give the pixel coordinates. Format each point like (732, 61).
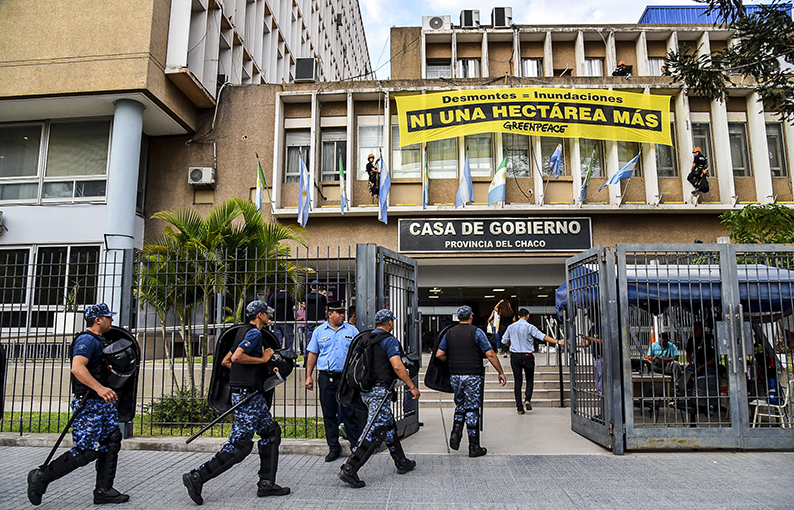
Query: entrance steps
(546, 391)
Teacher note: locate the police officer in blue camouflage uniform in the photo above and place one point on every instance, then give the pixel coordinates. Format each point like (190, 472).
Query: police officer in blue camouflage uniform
(387, 357)
(327, 351)
(244, 359)
(95, 430)
(462, 347)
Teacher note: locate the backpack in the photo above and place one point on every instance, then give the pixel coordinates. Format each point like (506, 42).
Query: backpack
(360, 372)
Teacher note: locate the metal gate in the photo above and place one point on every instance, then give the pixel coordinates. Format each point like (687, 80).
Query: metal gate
(386, 279)
(695, 346)
(593, 355)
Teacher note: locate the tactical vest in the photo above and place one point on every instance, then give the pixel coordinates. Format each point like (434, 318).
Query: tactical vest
(383, 369)
(463, 354)
(245, 376)
(96, 368)
(701, 163)
(315, 306)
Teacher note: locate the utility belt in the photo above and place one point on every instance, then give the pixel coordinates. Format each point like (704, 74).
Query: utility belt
(243, 390)
(522, 353)
(332, 376)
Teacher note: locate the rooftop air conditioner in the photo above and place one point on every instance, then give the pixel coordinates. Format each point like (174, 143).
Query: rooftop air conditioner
(436, 22)
(201, 176)
(502, 17)
(305, 70)
(470, 19)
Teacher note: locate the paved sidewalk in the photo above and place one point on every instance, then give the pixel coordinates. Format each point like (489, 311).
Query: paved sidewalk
(674, 481)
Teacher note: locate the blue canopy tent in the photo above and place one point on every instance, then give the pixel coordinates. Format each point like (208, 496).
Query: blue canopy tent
(762, 289)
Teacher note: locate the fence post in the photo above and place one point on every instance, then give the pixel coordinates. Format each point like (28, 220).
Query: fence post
(127, 291)
(366, 285)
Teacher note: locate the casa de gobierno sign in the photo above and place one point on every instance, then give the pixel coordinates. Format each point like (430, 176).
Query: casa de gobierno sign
(494, 235)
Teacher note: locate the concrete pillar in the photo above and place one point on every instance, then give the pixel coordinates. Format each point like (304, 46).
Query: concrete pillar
(579, 53)
(277, 175)
(648, 159)
(484, 66)
(314, 152)
(548, 58)
(683, 131)
(612, 55)
(642, 56)
(721, 159)
(454, 54)
(537, 174)
(517, 70)
(759, 150)
(423, 55)
(612, 167)
(178, 35)
(576, 169)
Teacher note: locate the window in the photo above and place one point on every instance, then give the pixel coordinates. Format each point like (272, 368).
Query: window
(594, 67)
(297, 143)
(438, 69)
(516, 150)
(63, 276)
(370, 141)
(548, 144)
(406, 162)
(626, 152)
(74, 166)
(737, 134)
(531, 67)
(442, 159)
(655, 66)
(701, 137)
(775, 145)
(480, 148)
(334, 147)
(592, 150)
(666, 160)
(467, 68)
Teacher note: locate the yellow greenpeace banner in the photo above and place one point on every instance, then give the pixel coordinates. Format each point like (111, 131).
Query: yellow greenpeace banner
(566, 113)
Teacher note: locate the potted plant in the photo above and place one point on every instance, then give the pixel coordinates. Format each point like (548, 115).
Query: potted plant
(67, 322)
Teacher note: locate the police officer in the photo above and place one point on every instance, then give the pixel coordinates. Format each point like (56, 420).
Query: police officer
(95, 430)
(315, 308)
(463, 346)
(388, 367)
(327, 351)
(244, 359)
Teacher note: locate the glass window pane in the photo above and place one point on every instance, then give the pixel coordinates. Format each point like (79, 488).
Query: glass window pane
(19, 150)
(78, 149)
(370, 141)
(468, 68)
(57, 189)
(18, 191)
(666, 160)
(438, 69)
(442, 156)
(480, 148)
(594, 67)
(297, 143)
(50, 276)
(89, 189)
(548, 144)
(13, 275)
(531, 67)
(516, 150)
(739, 157)
(332, 152)
(701, 137)
(655, 66)
(592, 149)
(626, 152)
(83, 270)
(777, 158)
(406, 162)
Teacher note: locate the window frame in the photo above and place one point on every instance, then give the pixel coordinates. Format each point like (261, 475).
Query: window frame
(396, 169)
(707, 146)
(673, 155)
(587, 68)
(587, 154)
(305, 150)
(468, 68)
(332, 136)
(747, 169)
(539, 67)
(484, 166)
(438, 66)
(512, 154)
(781, 148)
(621, 145)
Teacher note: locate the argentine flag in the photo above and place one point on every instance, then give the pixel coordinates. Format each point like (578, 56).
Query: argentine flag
(496, 191)
(304, 195)
(623, 173)
(385, 187)
(556, 161)
(465, 188)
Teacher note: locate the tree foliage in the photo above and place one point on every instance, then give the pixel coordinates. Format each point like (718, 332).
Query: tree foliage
(760, 224)
(762, 42)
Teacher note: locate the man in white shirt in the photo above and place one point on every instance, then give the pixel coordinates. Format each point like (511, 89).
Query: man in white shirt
(520, 337)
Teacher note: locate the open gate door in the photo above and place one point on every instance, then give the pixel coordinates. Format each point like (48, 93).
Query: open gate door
(386, 279)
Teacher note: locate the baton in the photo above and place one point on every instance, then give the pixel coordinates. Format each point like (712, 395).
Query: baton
(77, 410)
(389, 391)
(222, 416)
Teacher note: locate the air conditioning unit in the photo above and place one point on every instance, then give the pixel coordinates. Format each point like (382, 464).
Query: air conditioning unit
(201, 176)
(470, 19)
(436, 22)
(305, 70)
(502, 17)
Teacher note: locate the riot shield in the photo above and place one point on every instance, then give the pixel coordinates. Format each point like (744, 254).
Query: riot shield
(346, 394)
(127, 389)
(437, 374)
(275, 371)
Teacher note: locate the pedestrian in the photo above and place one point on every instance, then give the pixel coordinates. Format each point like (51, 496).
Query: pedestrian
(316, 302)
(284, 305)
(300, 317)
(463, 347)
(244, 360)
(520, 338)
(95, 430)
(327, 351)
(388, 367)
(351, 315)
(503, 317)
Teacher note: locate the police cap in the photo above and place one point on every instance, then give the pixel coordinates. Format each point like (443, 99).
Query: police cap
(256, 307)
(100, 310)
(464, 312)
(336, 306)
(384, 316)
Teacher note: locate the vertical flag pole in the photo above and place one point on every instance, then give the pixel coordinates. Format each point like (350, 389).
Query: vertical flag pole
(261, 175)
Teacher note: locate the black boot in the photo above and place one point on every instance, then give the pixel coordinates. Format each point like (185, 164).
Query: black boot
(402, 463)
(105, 474)
(39, 478)
(220, 463)
(268, 465)
(349, 470)
(456, 434)
(475, 450)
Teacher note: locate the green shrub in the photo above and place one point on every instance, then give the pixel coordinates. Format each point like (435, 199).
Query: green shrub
(183, 406)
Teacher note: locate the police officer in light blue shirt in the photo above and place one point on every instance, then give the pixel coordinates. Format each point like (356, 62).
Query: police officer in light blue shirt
(520, 337)
(327, 351)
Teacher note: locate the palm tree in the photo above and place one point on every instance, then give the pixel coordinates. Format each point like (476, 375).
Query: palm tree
(231, 251)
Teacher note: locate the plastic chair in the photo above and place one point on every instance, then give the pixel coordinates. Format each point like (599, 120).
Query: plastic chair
(779, 410)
